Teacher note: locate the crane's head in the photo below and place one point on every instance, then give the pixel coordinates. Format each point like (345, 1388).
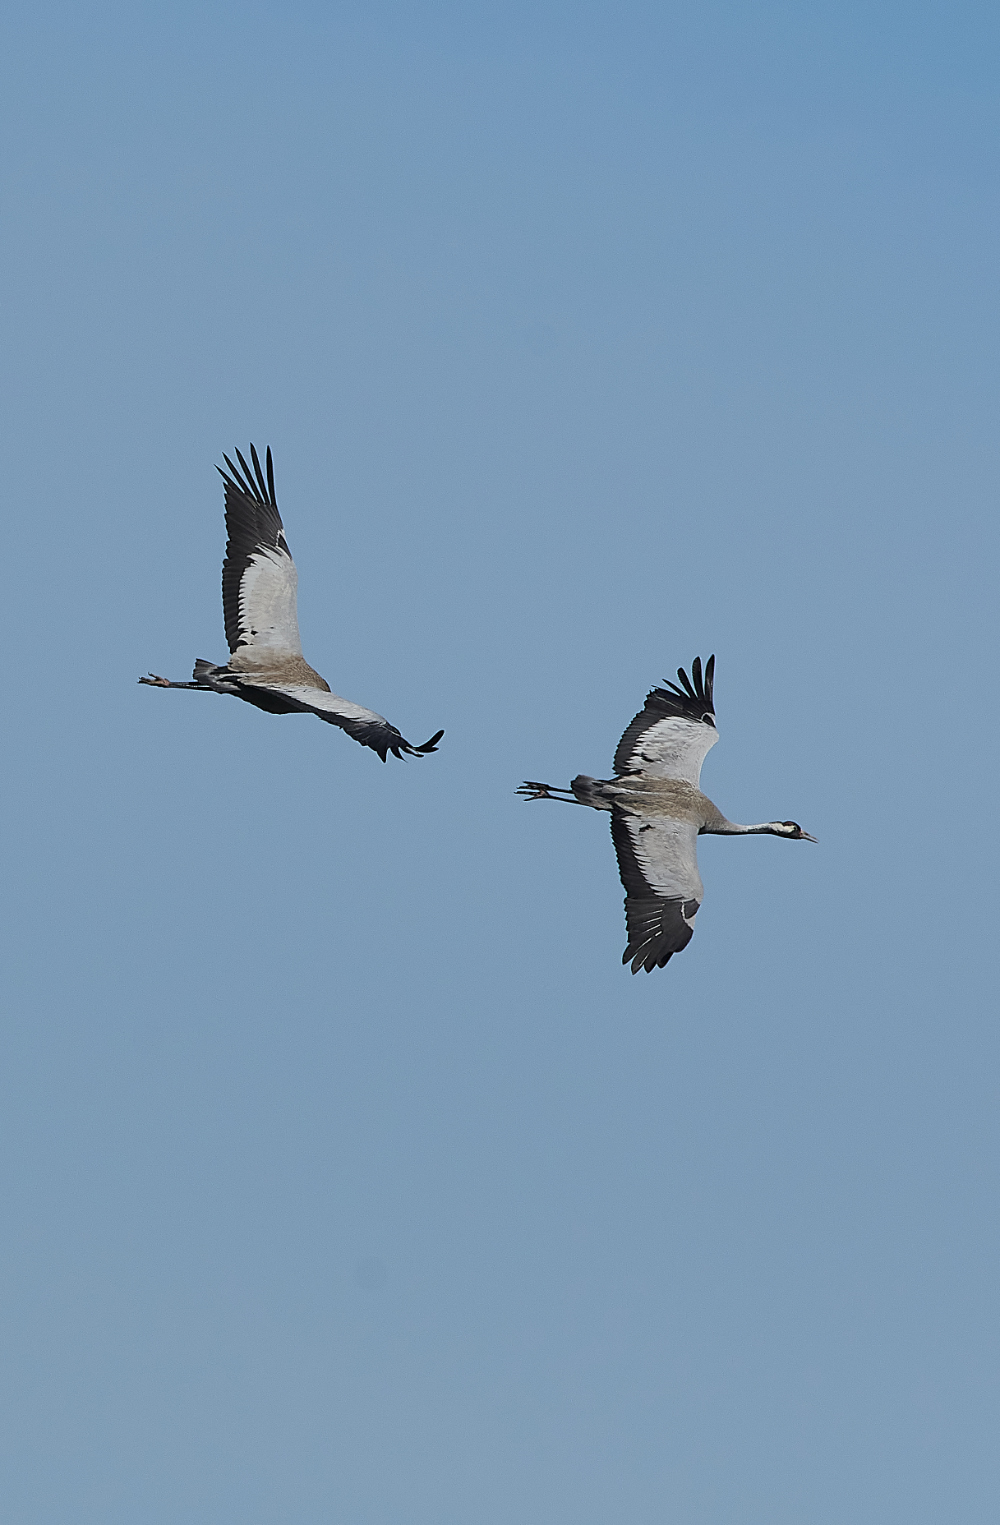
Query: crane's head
(793, 831)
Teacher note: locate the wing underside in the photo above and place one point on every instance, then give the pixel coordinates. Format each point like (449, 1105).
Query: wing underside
(366, 726)
(658, 863)
(675, 729)
(259, 580)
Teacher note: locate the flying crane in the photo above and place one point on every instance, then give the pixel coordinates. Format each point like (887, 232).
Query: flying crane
(266, 666)
(658, 813)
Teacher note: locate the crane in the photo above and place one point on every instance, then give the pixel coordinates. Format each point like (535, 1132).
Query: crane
(266, 666)
(658, 813)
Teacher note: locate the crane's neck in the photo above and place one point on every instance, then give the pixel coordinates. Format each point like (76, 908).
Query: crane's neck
(724, 828)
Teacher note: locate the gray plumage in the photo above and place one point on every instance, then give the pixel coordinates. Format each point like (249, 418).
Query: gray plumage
(259, 602)
(658, 813)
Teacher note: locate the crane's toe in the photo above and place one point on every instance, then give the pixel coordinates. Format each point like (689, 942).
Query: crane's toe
(532, 791)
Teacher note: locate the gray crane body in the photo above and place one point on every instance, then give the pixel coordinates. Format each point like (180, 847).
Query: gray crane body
(658, 812)
(670, 797)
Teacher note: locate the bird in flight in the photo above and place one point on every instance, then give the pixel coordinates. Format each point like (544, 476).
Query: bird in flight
(658, 813)
(266, 666)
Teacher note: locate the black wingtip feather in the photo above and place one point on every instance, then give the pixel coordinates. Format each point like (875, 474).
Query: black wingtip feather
(259, 474)
(700, 690)
(234, 480)
(643, 960)
(247, 473)
(251, 483)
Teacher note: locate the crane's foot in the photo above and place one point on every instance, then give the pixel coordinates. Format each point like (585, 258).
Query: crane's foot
(156, 682)
(533, 791)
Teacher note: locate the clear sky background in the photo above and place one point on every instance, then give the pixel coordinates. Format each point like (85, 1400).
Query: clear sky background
(347, 1175)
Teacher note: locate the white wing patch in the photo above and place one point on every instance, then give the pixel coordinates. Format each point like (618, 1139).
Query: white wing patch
(674, 748)
(268, 609)
(666, 852)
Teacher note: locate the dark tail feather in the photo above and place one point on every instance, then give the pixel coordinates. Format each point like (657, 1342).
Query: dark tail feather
(217, 679)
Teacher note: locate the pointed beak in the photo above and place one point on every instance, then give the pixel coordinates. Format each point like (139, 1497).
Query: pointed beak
(807, 838)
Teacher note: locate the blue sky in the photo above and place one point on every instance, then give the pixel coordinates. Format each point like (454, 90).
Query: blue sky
(346, 1175)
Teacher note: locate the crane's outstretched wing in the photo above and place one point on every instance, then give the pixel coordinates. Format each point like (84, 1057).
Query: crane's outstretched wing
(673, 732)
(366, 726)
(658, 863)
(259, 580)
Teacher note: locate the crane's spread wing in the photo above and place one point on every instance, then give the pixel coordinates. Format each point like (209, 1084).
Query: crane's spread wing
(259, 580)
(658, 863)
(673, 732)
(366, 726)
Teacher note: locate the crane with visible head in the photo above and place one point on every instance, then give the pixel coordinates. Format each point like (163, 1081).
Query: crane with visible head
(658, 813)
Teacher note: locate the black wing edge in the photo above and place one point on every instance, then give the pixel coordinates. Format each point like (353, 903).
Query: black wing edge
(382, 739)
(692, 701)
(656, 927)
(245, 483)
(252, 524)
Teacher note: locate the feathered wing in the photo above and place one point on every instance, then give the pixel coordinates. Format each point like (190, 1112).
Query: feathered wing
(366, 726)
(259, 580)
(266, 666)
(675, 729)
(658, 863)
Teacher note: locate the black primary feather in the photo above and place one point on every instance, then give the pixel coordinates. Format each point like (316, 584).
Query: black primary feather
(382, 737)
(256, 467)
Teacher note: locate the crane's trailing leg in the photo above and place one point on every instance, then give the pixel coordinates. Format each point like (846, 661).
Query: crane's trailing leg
(155, 682)
(266, 667)
(658, 813)
(532, 791)
(207, 678)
